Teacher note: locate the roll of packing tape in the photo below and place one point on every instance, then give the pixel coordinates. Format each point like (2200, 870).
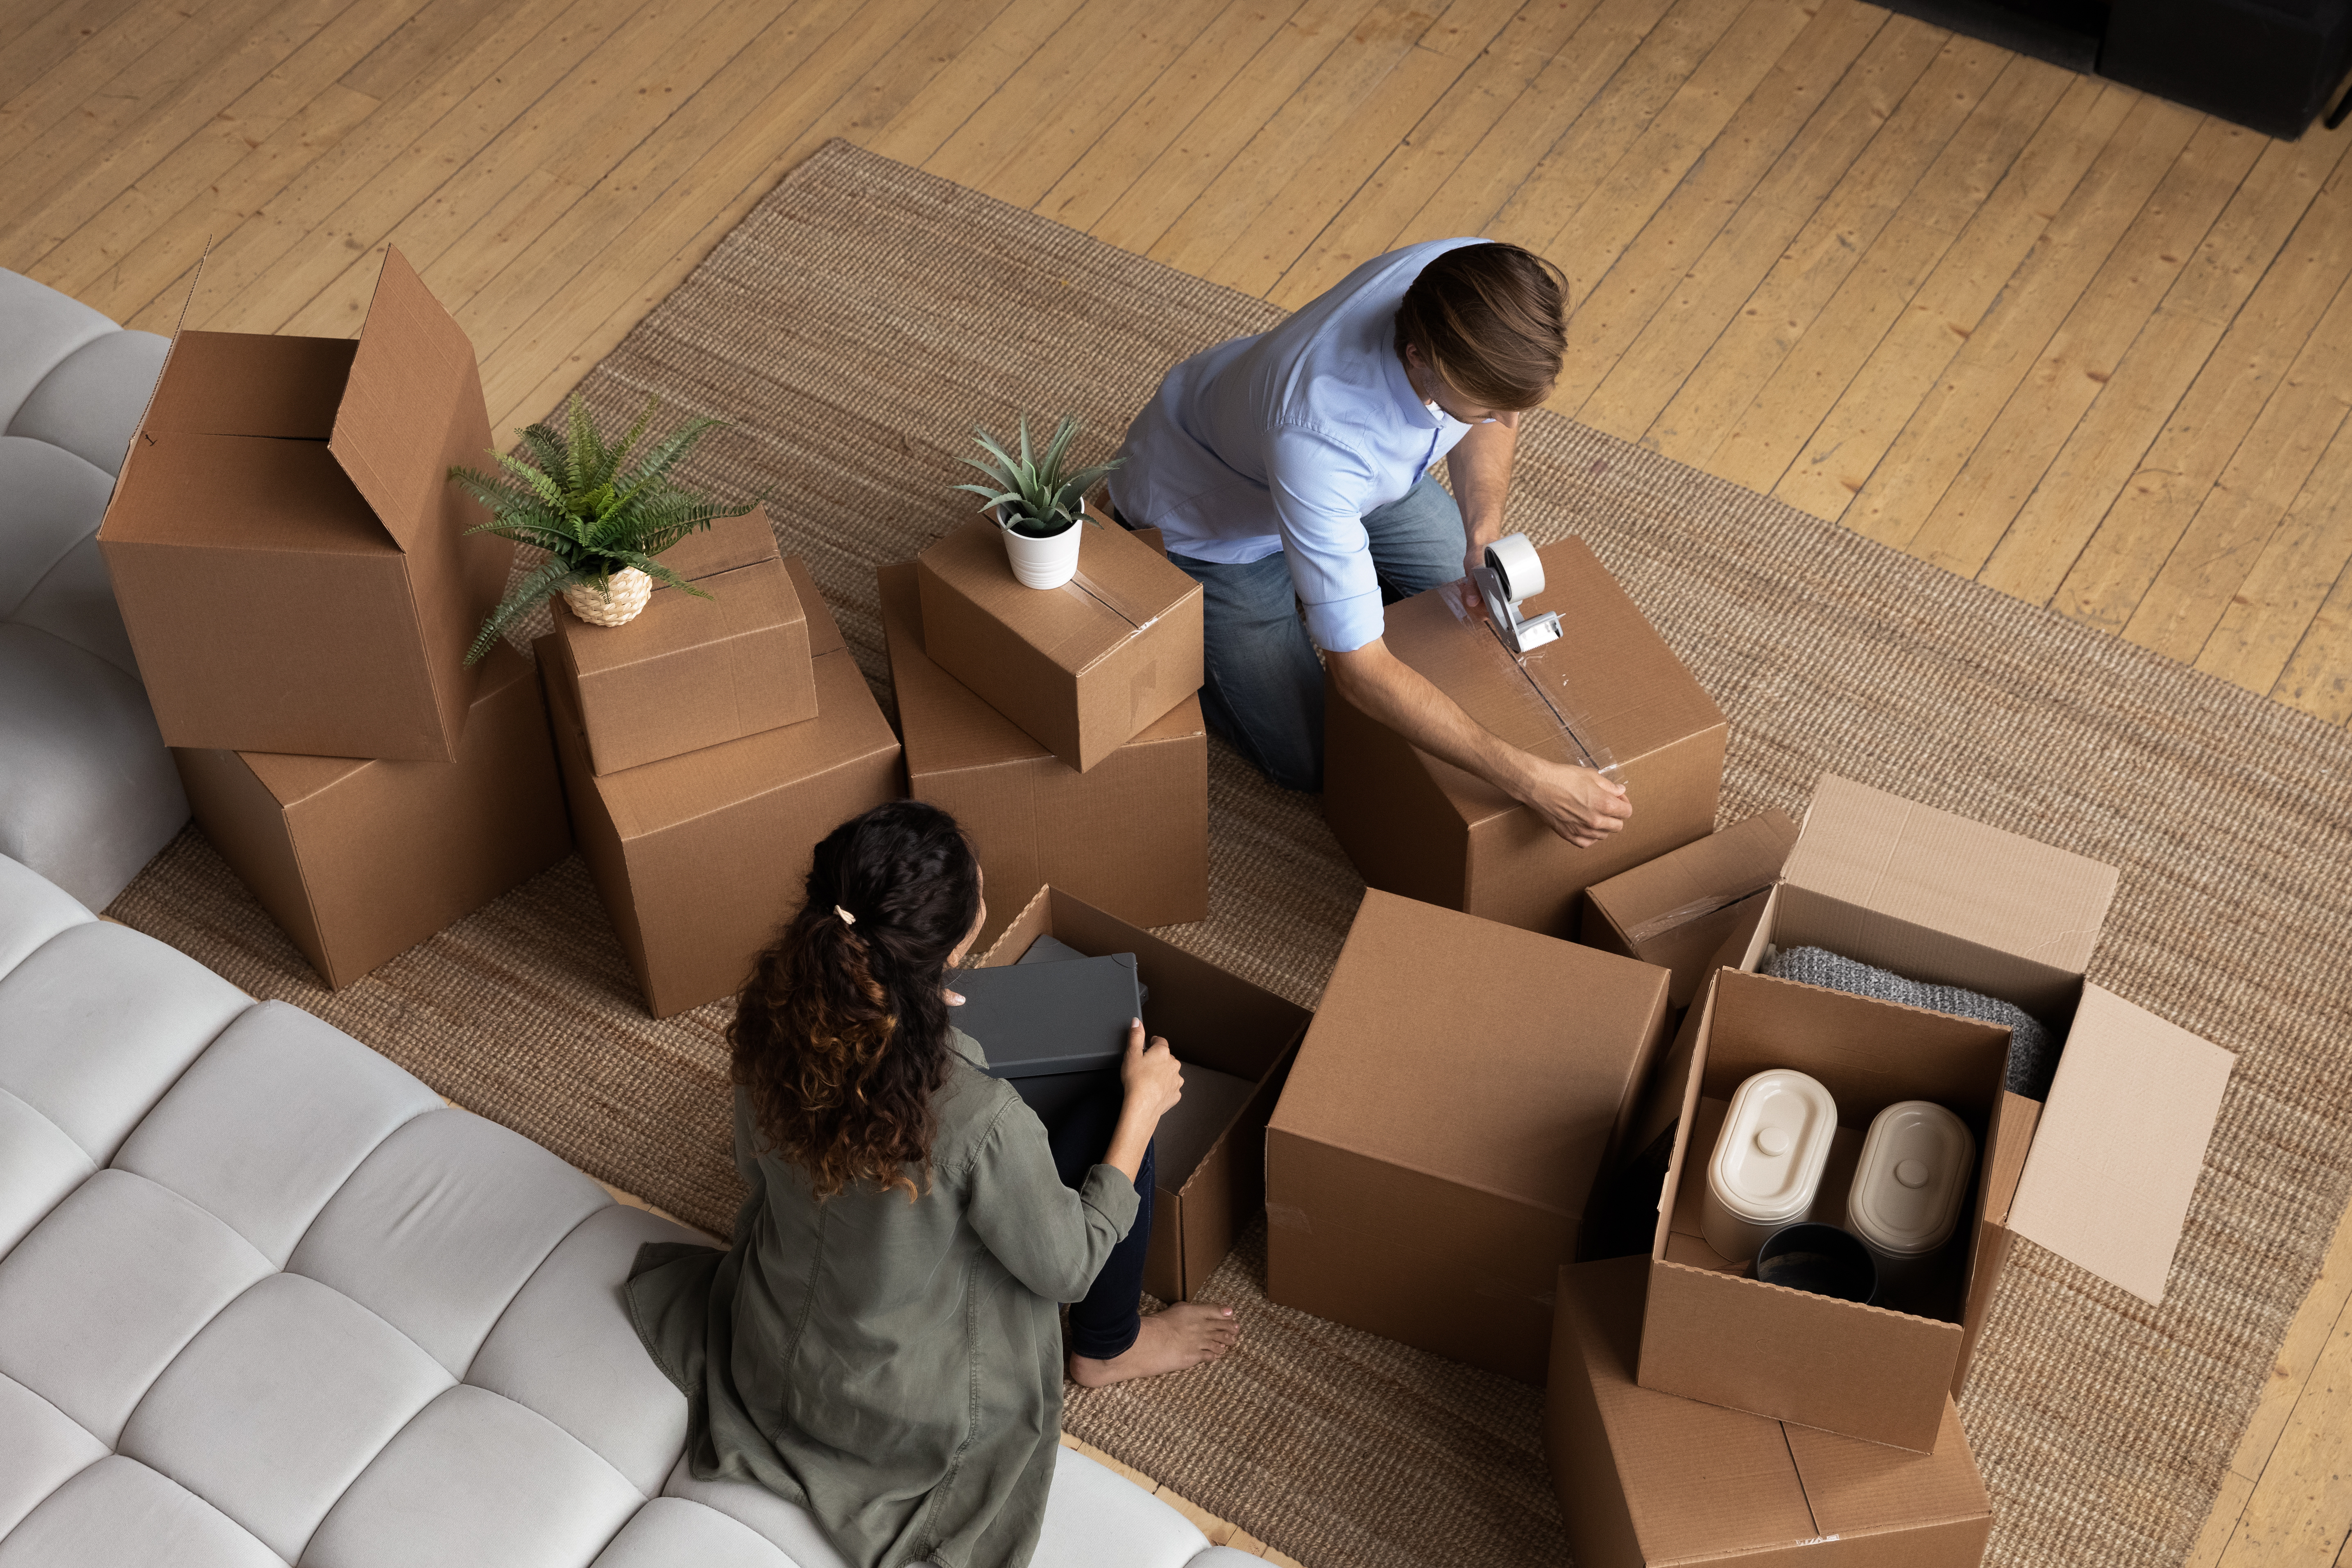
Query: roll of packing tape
(1518, 566)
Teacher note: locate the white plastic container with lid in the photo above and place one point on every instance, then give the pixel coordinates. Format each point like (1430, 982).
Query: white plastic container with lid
(1910, 1187)
(1767, 1166)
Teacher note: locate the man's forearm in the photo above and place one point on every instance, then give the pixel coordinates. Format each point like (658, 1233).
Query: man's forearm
(1480, 467)
(1399, 696)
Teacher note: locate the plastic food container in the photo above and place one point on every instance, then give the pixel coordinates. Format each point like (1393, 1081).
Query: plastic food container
(1767, 1165)
(1910, 1187)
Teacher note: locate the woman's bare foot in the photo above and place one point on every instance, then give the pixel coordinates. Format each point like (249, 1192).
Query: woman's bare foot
(1188, 1335)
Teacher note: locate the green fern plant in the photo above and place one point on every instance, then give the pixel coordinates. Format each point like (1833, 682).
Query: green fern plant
(1032, 495)
(574, 496)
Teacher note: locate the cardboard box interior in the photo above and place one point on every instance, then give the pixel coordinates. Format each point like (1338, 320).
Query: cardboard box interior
(1210, 1154)
(1674, 911)
(1609, 691)
(1649, 1481)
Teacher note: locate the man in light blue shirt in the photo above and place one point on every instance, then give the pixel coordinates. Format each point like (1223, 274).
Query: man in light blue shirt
(1293, 469)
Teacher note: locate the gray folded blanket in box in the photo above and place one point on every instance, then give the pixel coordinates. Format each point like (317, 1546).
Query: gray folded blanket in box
(2032, 1048)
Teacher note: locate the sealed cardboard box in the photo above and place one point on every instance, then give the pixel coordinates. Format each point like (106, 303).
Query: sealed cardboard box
(701, 857)
(359, 862)
(1130, 838)
(1648, 1480)
(1711, 1331)
(287, 552)
(1674, 911)
(1084, 668)
(687, 672)
(1608, 692)
(1236, 1041)
(1429, 1164)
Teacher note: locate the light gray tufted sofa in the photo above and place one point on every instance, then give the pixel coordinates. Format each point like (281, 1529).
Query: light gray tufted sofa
(87, 792)
(265, 1300)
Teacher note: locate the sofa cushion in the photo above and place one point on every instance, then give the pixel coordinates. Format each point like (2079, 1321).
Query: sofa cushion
(789, 1527)
(38, 1166)
(32, 909)
(120, 1511)
(40, 1449)
(670, 1531)
(1093, 1503)
(39, 329)
(50, 500)
(90, 404)
(74, 603)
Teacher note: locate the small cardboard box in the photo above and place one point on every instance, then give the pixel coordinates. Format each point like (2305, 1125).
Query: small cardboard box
(1675, 911)
(1209, 1161)
(1712, 1332)
(1130, 838)
(359, 862)
(1084, 667)
(701, 857)
(286, 548)
(1648, 1480)
(687, 672)
(1428, 1167)
(1608, 689)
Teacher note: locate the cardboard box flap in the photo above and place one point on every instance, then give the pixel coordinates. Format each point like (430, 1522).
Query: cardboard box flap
(1711, 874)
(414, 369)
(727, 543)
(1942, 873)
(2120, 1144)
(245, 384)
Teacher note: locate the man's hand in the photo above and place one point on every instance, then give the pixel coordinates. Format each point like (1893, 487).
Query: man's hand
(1581, 805)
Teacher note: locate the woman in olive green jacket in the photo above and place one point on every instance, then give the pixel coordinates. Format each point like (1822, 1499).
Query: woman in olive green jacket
(881, 1342)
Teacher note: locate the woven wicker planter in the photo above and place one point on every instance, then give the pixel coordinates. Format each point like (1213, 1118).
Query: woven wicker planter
(622, 601)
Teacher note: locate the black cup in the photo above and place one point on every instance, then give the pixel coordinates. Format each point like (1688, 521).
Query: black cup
(1821, 1258)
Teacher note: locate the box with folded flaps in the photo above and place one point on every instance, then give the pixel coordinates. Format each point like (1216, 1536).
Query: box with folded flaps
(358, 862)
(687, 672)
(699, 858)
(1236, 1041)
(1082, 669)
(1674, 911)
(1129, 837)
(1608, 691)
(1649, 1481)
(1429, 1165)
(289, 554)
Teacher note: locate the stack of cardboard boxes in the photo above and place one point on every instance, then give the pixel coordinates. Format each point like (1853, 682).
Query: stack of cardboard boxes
(293, 572)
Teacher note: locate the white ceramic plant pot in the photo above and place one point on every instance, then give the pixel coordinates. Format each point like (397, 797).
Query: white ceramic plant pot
(1044, 562)
(623, 600)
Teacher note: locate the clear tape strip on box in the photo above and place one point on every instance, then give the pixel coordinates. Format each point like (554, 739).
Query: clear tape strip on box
(1086, 587)
(1545, 693)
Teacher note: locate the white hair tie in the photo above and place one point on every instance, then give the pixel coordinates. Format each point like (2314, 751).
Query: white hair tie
(846, 917)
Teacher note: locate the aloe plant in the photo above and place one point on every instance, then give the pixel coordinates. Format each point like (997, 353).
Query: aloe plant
(1031, 495)
(592, 515)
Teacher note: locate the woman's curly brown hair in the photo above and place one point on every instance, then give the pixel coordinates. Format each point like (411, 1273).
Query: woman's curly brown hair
(842, 1037)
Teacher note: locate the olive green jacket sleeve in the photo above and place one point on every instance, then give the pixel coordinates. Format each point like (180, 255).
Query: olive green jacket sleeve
(1050, 1239)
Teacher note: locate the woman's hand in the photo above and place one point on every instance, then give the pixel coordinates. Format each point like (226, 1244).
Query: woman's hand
(1153, 1078)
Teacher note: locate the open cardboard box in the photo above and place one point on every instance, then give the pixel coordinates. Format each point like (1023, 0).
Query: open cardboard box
(1429, 1164)
(358, 862)
(1648, 1480)
(1130, 838)
(1209, 1154)
(287, 549)
(687, 672)
(1609, 690)
(1084, 668)
(1676, 911)
(701, 857)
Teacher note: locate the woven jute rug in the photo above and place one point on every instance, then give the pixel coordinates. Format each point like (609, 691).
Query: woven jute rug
(857, 324)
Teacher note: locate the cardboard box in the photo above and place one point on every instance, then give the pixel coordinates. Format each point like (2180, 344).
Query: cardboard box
(1675, 911)
(1130, 838)
(1428, 1167)
(1211, 1178)
(1426, 829)
(701, 857)
(286, 546)
(1648, 1480)
(687, 672)
(359, 862)
(1082, 669)
(1712, 1332)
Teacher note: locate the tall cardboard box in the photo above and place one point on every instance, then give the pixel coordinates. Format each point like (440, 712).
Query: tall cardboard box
(1236, 1041)
(1130, 838)
(689, 672)
(358, 862)
(1428, 1166)
(1674, 911)
(701, 857)
(1609, 690)
(1084, 668)
(1648, 1480)
(285, 544)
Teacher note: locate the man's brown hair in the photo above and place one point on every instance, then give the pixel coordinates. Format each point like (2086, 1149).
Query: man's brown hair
(1492, 320)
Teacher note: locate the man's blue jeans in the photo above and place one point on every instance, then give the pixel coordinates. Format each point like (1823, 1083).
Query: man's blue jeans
(1265, 691)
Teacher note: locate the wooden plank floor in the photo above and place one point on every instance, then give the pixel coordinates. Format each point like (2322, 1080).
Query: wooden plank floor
(2089, 348)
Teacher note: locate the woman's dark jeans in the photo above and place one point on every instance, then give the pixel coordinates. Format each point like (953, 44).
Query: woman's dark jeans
(1106, 1323)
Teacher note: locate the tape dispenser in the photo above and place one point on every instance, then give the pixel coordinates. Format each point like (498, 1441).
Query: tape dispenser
(1513, 575)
